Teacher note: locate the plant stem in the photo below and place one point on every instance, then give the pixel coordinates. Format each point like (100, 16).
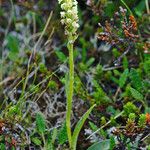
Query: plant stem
(147, 6)
(70, 92)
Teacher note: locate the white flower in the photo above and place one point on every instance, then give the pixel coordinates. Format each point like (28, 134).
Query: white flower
(62, 14)
(75, 3)
(68, 20)
(69, 17)
(76, 25)
(60, 1)
(69, 11)
(63, 21)
(63, 6)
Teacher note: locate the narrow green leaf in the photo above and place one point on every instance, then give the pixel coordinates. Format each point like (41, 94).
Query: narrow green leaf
(13, 45)
(90, 62)
(112, 143)
(40, 123)
(136, 94)
(62, 135)
(54, 135)
(79, 126)
(135, 79)
(61, 56)
(139, 9)
(125, 62)
(115, 80)
(36, 141)
(2, 146)
(49, 144)
(93, 126)
(123, 78)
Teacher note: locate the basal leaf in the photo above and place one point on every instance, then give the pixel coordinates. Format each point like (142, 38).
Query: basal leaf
(102, 145)
(79, 126)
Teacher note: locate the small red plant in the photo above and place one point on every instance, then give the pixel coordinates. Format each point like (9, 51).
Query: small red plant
(148, 118)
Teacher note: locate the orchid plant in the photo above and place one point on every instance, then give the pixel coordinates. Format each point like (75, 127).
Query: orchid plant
(69, 18)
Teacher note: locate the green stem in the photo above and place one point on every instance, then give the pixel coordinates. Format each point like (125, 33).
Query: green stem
(147, 6)
(70, 92)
